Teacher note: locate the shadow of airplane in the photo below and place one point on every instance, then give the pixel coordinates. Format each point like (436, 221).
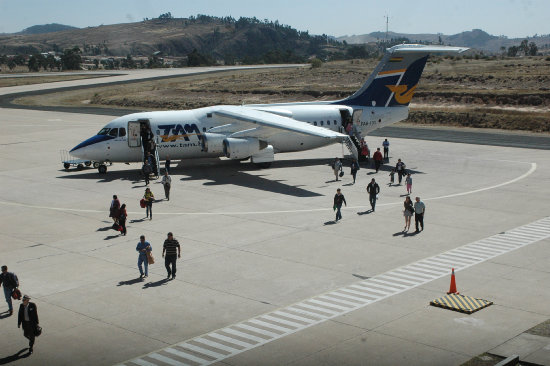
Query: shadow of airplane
(218, 172)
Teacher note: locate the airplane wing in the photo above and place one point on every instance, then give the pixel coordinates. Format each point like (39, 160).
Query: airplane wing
(249, 122)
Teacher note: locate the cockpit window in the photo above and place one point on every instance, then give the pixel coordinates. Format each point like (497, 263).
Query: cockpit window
(104, 131)
(121, 132)
(113, 132)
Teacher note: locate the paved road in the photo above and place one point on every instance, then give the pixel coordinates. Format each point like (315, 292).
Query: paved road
(7, 95)
(485, 137)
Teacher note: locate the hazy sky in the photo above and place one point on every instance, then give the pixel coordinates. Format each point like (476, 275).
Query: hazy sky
(513, 18)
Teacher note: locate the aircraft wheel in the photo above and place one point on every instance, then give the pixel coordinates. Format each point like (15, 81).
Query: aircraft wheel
(80, 167)
(96, 164)
(102, 169)
(88, 163)
(66, 166)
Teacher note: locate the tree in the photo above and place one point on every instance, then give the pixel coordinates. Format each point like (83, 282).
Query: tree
(195, 58)
(524, 47)
(36, 61)
(533, 49)
(358, 52)
(71, 59)
(513, 51)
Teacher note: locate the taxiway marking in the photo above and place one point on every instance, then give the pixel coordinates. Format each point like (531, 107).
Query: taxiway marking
(320, 308)
(523, 176)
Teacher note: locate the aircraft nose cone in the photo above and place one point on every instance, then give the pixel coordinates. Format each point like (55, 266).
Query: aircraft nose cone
(91, 141)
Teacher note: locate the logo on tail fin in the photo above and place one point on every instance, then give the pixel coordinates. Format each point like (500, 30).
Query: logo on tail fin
(401, 94)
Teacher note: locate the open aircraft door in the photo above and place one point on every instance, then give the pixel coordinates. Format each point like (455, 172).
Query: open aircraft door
(134, 136)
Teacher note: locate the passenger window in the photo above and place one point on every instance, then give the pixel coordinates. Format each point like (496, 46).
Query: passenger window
(315, 123)
(204, 129)
(113, 132)
(121, 132)
(334, 122)
(321, 123)
(328, 123)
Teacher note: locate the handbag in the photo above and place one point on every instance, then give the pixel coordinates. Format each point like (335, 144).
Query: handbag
(142, 203)
(341, 173)
(150, 258)
(16, 294)
(37, 331)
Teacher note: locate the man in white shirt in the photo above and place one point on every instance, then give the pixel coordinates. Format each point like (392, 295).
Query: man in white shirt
(166, 182)
(419, 210)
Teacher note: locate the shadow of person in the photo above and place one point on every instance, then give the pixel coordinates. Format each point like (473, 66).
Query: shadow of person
(106, 228)
(137, 220)
(348, 184)
(17, 356)
(412, 233)
(130, 282)
(162, 282)
(364, 212)
(109, 237)
(5, 314)
(403, 195)
(331, 222)
(400, 233)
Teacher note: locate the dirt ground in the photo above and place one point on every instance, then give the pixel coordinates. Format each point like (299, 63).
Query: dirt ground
(510, 94)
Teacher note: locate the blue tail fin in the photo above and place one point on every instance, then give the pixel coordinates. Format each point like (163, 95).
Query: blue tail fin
(394, 80)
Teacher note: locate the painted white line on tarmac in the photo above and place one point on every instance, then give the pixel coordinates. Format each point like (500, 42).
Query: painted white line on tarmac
(391, 283)
(523, 176)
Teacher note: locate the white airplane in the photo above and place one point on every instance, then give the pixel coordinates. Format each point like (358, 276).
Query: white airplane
(259, 131)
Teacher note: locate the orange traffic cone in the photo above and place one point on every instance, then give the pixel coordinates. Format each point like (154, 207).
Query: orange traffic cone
(452, 289)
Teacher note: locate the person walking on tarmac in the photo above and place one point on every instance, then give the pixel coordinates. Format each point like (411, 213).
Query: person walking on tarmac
(338, 200)
(386, 145)
(373, 189)
(10, 282)
(146, 170)
(122, 216)
(400, 169)
(337, 167)
(377, 159)
(166, 183)
(28, 317)
(148, 196)
(354, 169)
(171, 248)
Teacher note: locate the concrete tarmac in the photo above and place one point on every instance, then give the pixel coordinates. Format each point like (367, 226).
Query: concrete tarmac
(255, 241)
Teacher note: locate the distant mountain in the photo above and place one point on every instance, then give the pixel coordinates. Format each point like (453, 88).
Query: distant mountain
(46, 28)
(475, 38)
(229, 39)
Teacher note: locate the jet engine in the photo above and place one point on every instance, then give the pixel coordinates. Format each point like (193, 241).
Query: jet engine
(212, 143)
(242, 148)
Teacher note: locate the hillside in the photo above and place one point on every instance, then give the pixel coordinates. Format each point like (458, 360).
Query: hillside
(475, 38)
(221, 38)
(46, 28)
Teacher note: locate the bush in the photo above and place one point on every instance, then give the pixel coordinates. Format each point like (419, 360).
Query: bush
(316, 63)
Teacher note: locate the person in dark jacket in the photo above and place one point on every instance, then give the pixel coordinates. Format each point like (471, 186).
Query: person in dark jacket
(146, 170)
(354, 169)
(373, 189)
(122, 216)
(10, 282)
(338, 200)
(113, 210)
(28, 317)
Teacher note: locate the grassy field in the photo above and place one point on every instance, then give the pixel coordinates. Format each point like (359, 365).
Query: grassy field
(28, 80)
(512, 94)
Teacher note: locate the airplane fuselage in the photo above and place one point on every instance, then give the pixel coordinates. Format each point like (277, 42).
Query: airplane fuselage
(178, 134)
